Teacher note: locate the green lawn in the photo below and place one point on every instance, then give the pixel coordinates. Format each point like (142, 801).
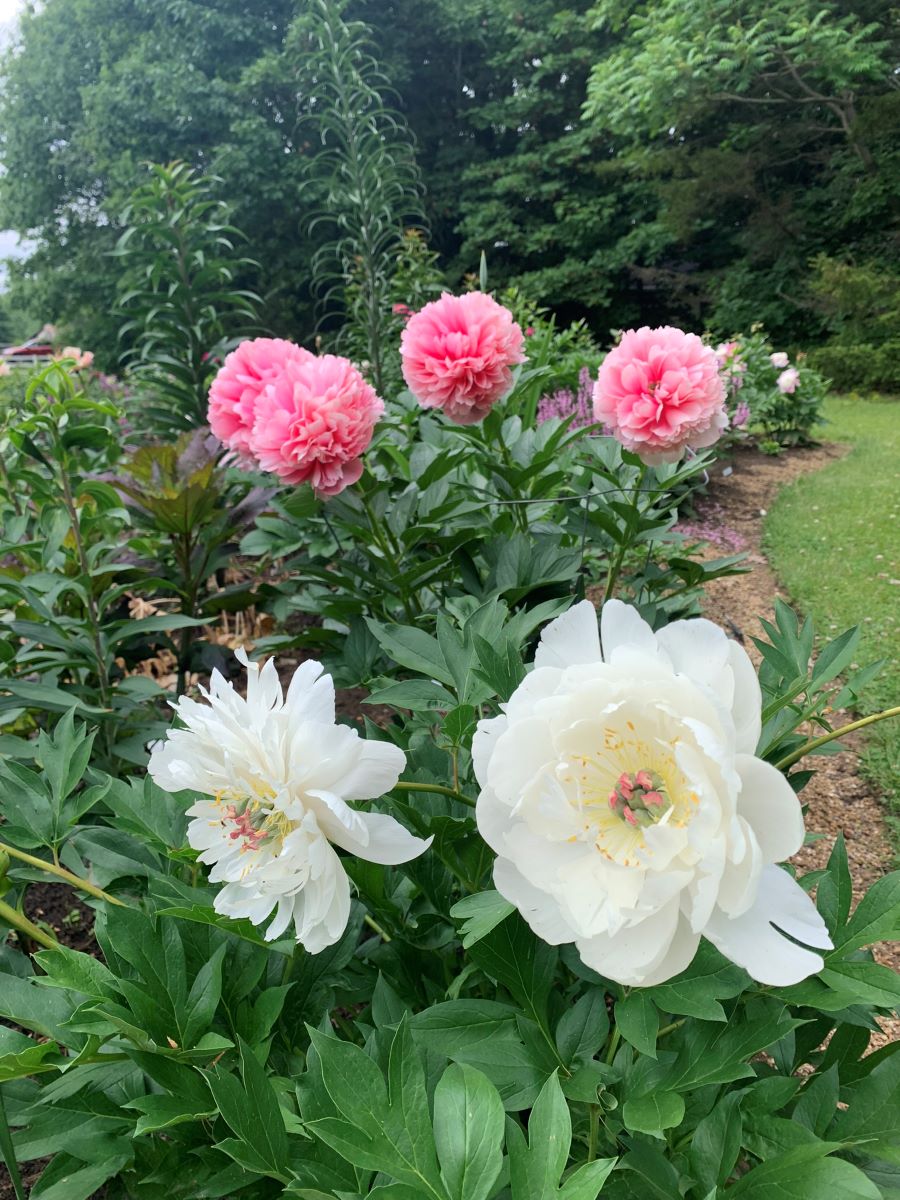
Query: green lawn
(834, 540)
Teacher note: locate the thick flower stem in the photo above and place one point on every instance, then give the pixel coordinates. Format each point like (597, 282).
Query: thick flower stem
(52, 869)
(438, 788)
(815, 743)
(22, 925)
(593, 1130)
(615, 567)
(376, 928)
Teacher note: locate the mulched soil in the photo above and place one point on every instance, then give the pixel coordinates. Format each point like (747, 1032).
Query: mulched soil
(838, 797)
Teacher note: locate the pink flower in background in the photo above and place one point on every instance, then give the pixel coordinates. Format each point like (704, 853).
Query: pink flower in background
(779, 359)
(401, 310)
(237, 387)
(566, 403)
(458, 352)
(529, 332)
(789, 380)
(726, 350)
(314, 421)
(82, 358)
(660, 391)
(741, 417)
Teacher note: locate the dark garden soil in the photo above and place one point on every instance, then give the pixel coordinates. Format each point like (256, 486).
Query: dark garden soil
(838, 797)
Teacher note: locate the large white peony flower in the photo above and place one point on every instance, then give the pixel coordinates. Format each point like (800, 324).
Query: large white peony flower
(280, 773)
(628, 812)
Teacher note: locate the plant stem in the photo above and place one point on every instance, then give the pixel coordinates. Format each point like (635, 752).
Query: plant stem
(593, 1130)
(438, 788)
(670, 1028)
(22, 925)
(615, 566)
(373, 924)
(93, 615)
(70, 878)
(815, 743)
(615, 1038)
(9, 1153)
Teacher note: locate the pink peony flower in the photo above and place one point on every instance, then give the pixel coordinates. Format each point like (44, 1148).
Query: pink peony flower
(401, 310)
(457, 353)
(660, 391)
(789, 380)
(779, 359)
(726, 350)
(313, 421)
(237, 387)
(82, 358)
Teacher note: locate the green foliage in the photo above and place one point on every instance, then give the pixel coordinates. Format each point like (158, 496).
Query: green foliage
(180, 296)
(367, 169)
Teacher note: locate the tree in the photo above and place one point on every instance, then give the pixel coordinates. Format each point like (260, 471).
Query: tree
(768, 131)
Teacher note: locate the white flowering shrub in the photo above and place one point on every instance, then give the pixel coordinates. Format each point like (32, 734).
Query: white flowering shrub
(528, 930)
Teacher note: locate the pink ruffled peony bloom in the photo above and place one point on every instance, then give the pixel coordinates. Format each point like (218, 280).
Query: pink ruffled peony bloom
(457, 353)
(660, 392)
(779, 359)
(789, 380)
(245, 374)
(82, 358)
(314, 421)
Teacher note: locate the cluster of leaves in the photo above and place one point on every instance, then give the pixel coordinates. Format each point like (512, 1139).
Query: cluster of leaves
(438, 1051)
(783, 418)
(367, 170)
(180, 295)
(83, 534)
(498, 510)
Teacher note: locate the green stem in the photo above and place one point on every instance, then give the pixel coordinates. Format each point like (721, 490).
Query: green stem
(22, 925)
(670, 1028)
(593, 1130)
(9, 1153)
(11, 492)
(373, 924)
(75, 880)
(615, 1038)
(815, 743)
(438, 788)
(615, 567)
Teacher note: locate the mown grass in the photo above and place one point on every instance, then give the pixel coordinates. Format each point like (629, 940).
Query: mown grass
(833, 538)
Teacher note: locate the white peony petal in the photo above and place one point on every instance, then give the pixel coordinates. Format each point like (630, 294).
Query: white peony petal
(746, 708)
(310, 694)
(771, 808)
(677, 958)
(516, 761)
(385, 840)
(753, 942)
(373, 769)
(537, 907)
(483, 743)
(570, 639)
(741, 875)
(622, 626)
(633, 954)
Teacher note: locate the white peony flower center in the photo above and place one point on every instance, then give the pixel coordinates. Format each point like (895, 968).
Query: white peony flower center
(623, 785)
(251, 819)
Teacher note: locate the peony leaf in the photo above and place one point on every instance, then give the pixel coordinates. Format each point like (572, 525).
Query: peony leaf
(654, 1113)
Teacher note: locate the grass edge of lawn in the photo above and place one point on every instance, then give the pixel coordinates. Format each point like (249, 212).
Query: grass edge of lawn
(841, 585)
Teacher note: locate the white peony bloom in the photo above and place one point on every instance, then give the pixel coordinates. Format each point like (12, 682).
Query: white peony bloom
(779, 359)
(628, 811)
(280, 773)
